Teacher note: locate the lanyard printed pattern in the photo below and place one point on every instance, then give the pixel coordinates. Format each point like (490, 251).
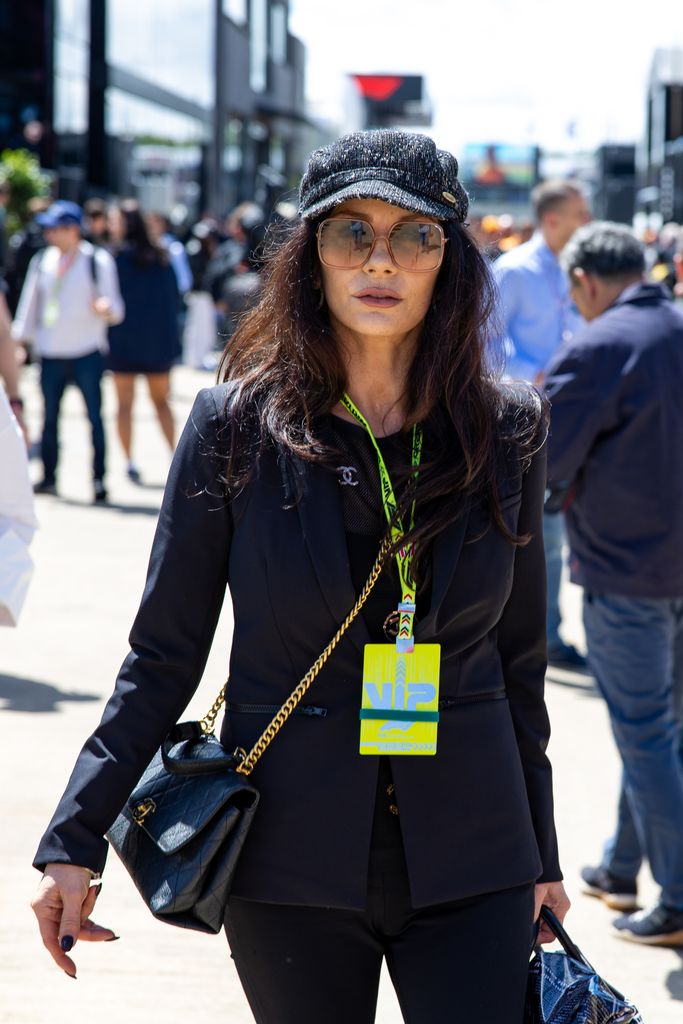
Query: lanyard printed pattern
(404, 556)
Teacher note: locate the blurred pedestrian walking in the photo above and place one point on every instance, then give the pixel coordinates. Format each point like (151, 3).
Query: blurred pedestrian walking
(5, 195)
(159, 231)
(241, 289)
(243, 225)
(147, 343)
(95, 224)
(200, 335)
(17, 517)
(9, 365)
(616, 455)
(23, 246)
(537, 314)
(70, 296)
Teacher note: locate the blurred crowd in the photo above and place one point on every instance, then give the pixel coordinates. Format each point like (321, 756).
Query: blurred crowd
(214, 257)
(498, 234)
(113, 287)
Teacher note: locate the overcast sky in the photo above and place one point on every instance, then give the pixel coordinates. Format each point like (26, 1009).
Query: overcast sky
(497, 70)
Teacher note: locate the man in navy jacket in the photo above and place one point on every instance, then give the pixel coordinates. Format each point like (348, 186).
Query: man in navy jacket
(616, 467)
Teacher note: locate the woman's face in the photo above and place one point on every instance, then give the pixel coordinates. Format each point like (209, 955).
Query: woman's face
(379, 299)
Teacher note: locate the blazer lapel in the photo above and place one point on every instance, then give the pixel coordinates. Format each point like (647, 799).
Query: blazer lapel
(322, 523)
(445, 555)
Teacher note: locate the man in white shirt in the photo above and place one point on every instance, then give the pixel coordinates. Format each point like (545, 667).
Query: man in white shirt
(70, 296)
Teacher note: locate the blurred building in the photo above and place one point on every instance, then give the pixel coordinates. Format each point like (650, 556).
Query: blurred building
(182, 103)
(614, 196)
(390, 101)
(661, 165)
(500, 177)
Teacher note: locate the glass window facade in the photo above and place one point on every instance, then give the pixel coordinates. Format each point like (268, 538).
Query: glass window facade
(236, 10)
(258, 46)
(71, 57)
(24, 75)
(278, 32)
(155, 152)
(166, 42)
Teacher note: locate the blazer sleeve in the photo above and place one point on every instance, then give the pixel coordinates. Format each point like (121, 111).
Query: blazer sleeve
(170, 642)
(522, 647)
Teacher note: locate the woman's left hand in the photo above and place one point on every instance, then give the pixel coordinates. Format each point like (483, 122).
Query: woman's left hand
(553, 895)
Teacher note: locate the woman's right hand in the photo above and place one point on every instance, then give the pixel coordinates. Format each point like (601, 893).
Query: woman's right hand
(63, 904)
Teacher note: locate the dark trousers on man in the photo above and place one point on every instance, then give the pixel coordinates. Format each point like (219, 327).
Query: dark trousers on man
(86, 373)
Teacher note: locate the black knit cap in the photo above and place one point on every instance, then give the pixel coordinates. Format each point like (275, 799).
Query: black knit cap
(401, 168)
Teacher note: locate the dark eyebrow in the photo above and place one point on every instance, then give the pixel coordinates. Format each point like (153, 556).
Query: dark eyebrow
(355, 215)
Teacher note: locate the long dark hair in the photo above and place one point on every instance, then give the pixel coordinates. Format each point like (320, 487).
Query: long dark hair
(286, 371)
(136, 237)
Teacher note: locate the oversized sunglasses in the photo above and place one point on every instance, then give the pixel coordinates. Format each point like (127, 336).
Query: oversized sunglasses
(346, 244)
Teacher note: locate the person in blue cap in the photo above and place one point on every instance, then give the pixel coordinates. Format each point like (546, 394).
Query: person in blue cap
(70, 297)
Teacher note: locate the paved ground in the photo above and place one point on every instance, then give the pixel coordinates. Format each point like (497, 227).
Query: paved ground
(56, 670)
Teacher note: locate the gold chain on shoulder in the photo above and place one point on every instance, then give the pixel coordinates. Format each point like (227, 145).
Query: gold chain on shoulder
(249, 761)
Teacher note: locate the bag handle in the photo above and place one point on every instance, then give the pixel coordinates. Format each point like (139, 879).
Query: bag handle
(247, 762)
(558, 930)
(185, 736)
(572, 950)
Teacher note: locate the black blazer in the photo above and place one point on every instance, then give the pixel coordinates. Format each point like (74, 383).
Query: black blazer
(477, 817)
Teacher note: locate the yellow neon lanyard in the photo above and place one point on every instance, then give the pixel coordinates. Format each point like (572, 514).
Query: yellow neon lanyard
(404, 556)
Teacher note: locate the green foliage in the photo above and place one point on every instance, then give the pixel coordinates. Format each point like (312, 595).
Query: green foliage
(21, 170)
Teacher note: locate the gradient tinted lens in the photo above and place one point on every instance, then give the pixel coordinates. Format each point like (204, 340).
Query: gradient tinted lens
(345, 243)
(414, 245)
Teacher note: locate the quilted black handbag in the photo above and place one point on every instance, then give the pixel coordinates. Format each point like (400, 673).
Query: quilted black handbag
(184, 825)
(182, 829)
(563, 988)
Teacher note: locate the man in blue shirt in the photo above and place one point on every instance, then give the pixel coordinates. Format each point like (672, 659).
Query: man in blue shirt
(616, 454)
(537, 315)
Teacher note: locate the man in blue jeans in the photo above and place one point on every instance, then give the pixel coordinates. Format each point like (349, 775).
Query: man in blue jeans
(70, 296)
(616, 458)
(536, 314)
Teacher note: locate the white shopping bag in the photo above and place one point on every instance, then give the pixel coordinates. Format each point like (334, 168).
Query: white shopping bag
(16, 570)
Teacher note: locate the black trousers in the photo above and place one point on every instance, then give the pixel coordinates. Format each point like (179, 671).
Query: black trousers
(465, 961)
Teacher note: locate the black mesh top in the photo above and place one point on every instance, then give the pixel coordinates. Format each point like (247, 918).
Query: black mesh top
(365, 524)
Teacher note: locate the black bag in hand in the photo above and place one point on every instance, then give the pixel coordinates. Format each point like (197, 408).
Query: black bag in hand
(563, 988)
(183, 827)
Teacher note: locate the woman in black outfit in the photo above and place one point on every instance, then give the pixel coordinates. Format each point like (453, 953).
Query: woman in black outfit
(394, 821)
(147, 342)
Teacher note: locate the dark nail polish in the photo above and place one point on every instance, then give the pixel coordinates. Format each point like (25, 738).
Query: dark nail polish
(114, 938)
(67, 943)
(72, 976)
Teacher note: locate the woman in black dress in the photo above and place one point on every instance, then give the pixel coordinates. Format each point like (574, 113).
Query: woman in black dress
(147, 342)
(407, 813)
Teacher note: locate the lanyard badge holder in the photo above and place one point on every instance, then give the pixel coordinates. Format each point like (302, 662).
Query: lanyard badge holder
(399, 712)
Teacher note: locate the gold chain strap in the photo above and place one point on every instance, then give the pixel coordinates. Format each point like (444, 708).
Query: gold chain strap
(249, 761)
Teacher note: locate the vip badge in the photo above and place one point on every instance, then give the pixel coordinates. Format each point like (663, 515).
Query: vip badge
(400, 707)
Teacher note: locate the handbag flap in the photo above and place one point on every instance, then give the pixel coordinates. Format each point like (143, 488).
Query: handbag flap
(172, 809)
